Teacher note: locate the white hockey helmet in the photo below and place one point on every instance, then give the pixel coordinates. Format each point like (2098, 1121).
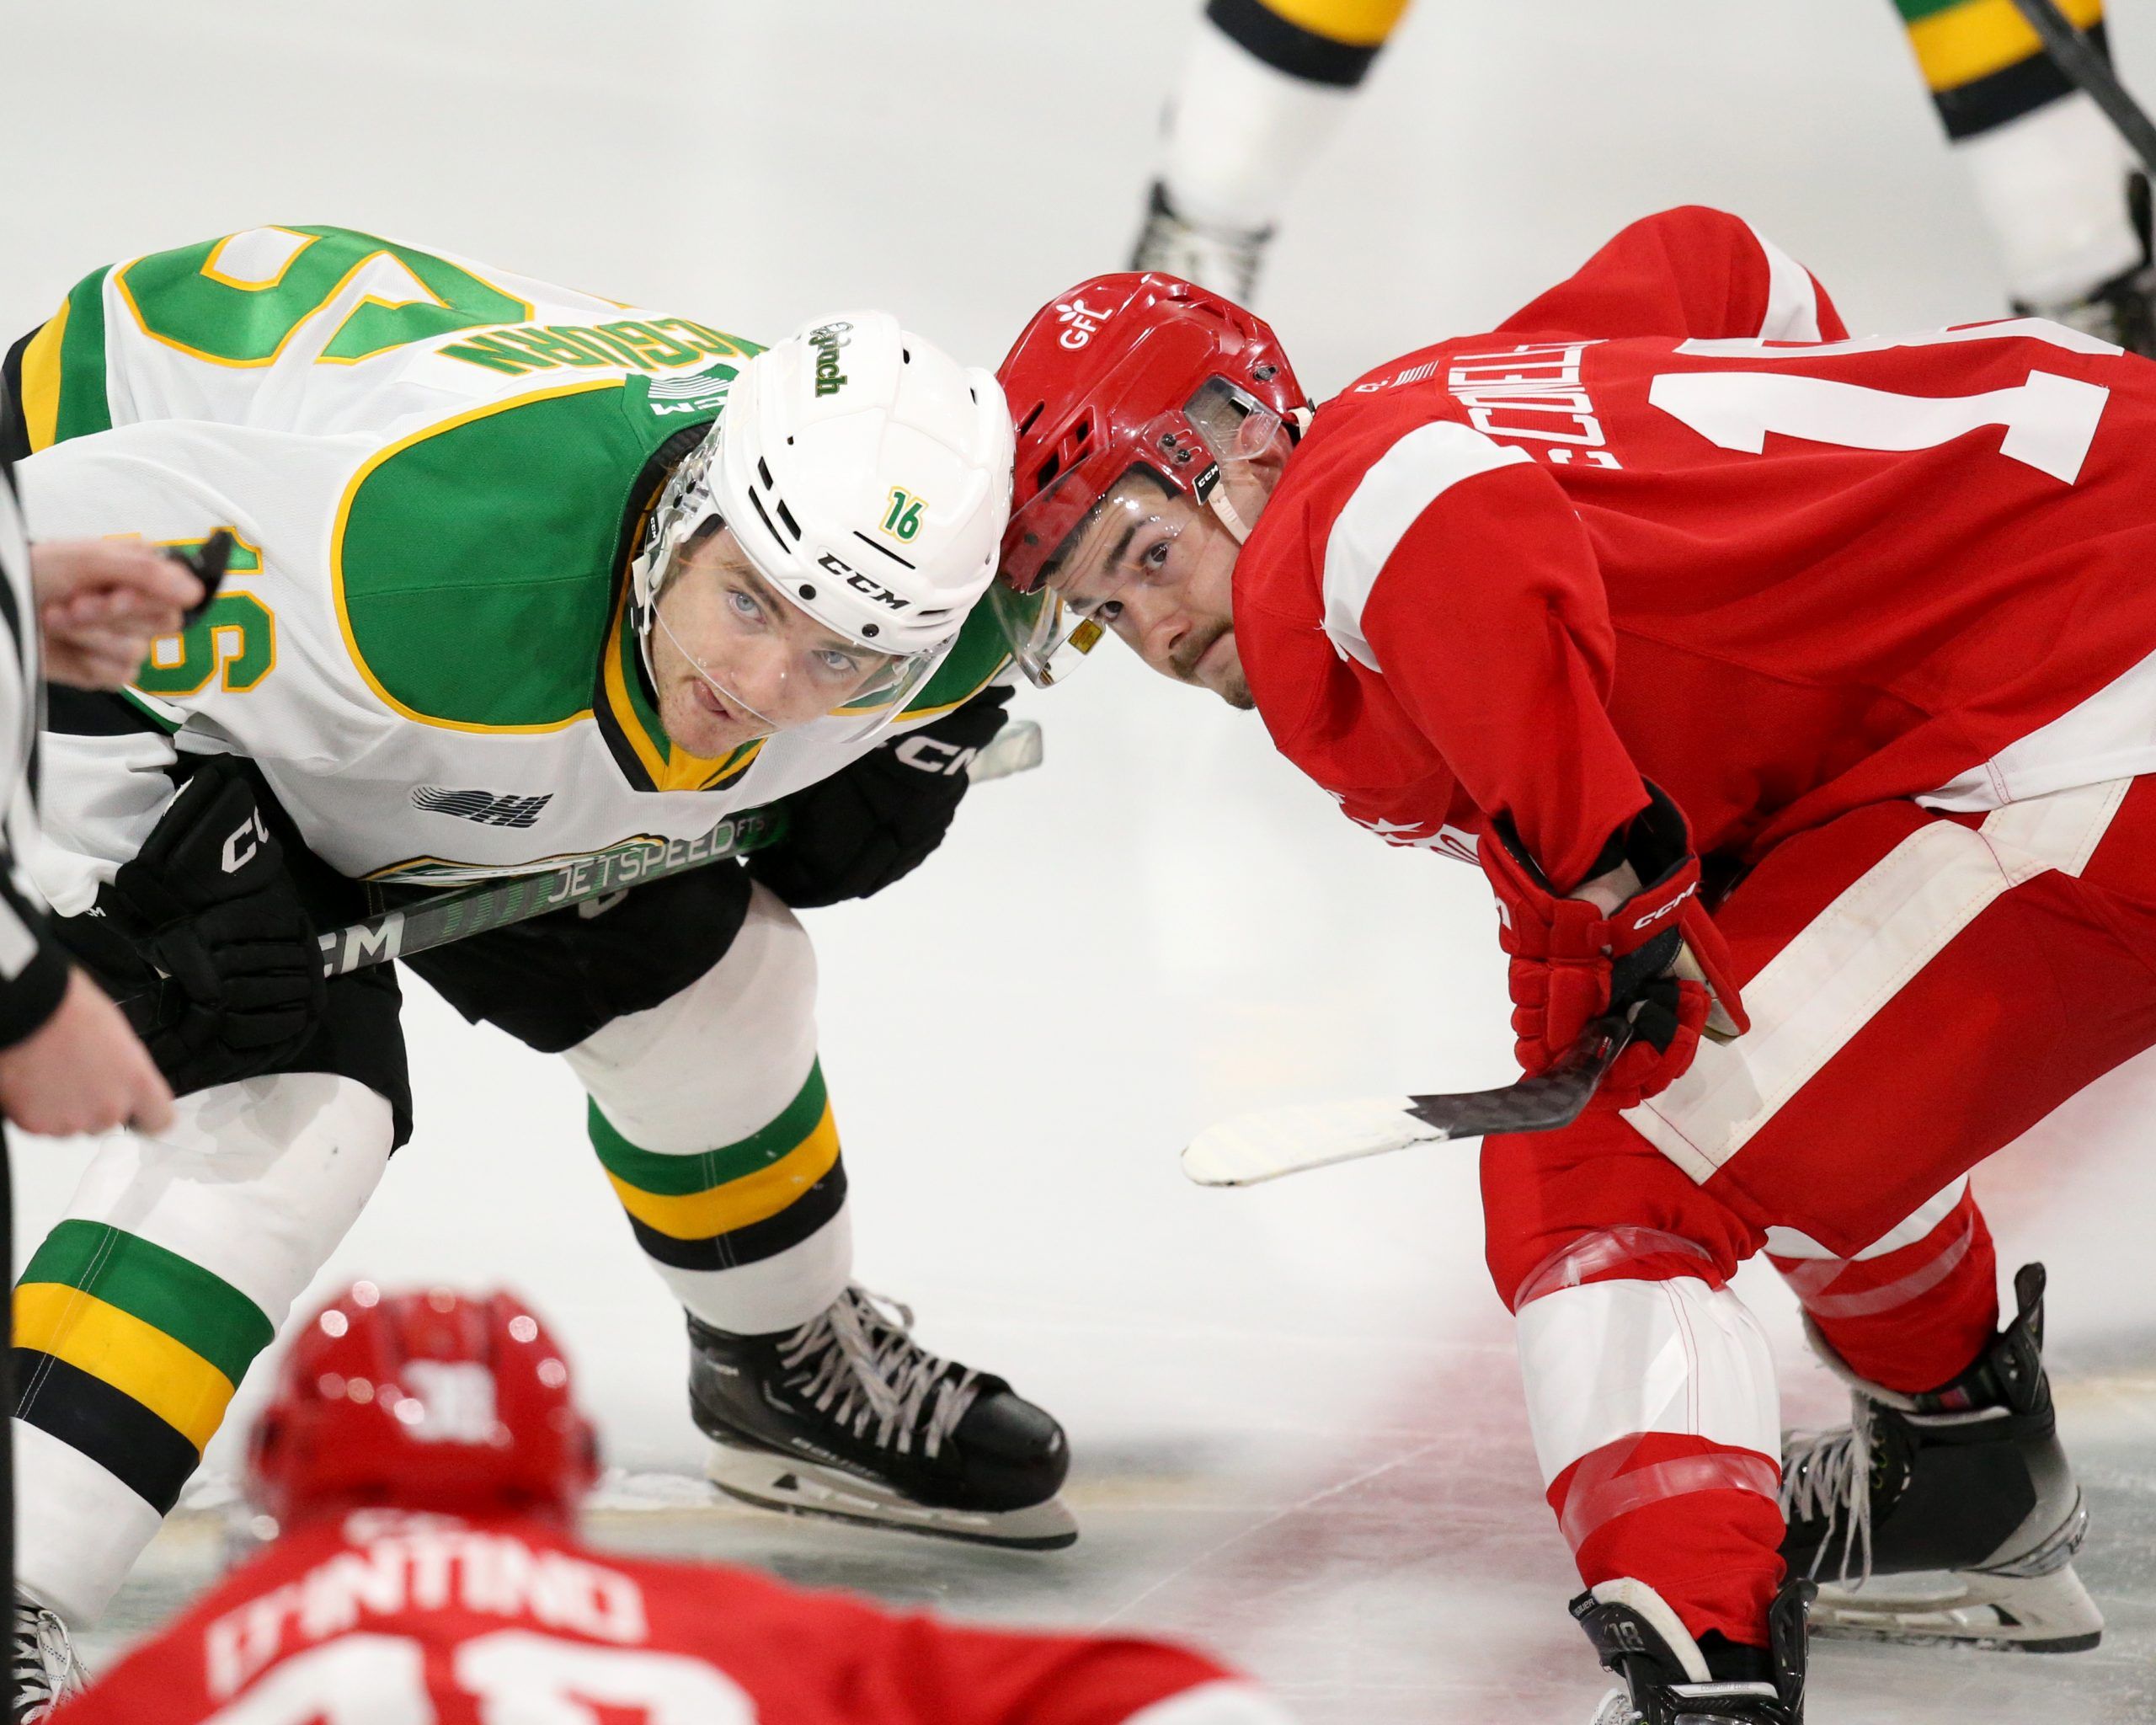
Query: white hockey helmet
(865, 474)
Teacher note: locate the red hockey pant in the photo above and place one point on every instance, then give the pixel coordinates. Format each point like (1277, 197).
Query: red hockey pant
(1923, 989)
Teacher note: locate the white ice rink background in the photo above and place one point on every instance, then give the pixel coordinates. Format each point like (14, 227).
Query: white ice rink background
(1294, 1411)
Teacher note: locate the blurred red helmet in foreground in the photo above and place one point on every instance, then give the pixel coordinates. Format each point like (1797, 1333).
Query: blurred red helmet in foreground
(421, 1401)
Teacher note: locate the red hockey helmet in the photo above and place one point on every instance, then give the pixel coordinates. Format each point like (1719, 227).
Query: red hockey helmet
(1123, 372)
(421, 1401)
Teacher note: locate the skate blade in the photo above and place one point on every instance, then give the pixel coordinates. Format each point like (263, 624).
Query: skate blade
(781, 1483)
(2036, 1614)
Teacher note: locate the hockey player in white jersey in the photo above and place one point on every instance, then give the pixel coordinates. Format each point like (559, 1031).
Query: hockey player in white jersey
(519, 575)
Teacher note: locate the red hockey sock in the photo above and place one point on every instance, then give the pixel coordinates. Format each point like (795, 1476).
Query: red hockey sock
(1696, 1521)
(1912, 1318)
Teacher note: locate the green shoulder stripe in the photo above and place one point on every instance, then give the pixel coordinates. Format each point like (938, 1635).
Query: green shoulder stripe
(84, 407)
(474, 562)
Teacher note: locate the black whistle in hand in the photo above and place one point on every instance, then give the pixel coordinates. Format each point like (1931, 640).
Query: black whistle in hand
(207, 561)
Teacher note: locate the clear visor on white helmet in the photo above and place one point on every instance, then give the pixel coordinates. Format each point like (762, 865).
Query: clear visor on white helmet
(761, 654)
(1125, 538)
(764, 656)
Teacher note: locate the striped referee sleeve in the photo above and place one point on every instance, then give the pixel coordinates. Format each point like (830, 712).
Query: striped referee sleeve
(33, 967)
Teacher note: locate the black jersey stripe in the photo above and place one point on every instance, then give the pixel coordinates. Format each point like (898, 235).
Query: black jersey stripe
(1289, 47)
(151, 1459)
(816, 1207)
(2020, 88)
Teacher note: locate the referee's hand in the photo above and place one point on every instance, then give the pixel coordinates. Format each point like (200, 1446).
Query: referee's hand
(100, 602)
(82, 1070)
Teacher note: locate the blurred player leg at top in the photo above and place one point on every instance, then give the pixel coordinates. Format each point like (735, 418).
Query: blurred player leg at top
(2052, 175)
(1264, 88)
(421, 1468)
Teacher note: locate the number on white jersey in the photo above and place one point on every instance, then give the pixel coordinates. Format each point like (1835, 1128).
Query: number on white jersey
(2050, 420)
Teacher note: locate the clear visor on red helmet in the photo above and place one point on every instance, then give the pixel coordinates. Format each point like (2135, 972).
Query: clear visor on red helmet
(1076, 549)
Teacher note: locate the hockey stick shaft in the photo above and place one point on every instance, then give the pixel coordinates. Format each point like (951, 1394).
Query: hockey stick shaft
(442, 917)
(2075, 56)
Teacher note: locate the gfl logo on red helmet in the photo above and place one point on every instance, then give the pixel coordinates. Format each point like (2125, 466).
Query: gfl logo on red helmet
(1081, 321)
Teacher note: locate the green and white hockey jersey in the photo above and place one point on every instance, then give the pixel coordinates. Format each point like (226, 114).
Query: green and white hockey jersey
(436, 474)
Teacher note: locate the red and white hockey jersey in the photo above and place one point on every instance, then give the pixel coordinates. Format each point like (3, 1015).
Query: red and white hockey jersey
(387, 1618)
(1667, 521)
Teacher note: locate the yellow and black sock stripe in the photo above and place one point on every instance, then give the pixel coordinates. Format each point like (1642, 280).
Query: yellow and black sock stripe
(1983, 63)
(1319, 41)
(737, 1204)
(130, 1353)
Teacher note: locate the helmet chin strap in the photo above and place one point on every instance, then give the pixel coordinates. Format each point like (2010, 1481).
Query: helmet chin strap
(1230, 517)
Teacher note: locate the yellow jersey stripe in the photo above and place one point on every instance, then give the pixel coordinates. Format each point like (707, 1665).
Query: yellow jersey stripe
(41, 380)
(753, 1197)
(1355, 23)
(167, 1377)
(1979, 37)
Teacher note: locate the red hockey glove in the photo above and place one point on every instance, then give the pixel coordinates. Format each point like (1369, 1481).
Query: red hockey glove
(1571, 961)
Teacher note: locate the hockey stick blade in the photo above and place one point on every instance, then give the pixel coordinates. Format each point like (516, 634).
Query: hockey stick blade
(454, 915)
(1270, 1142)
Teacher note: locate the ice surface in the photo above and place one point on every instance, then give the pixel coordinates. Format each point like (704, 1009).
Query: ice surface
(1297, 1420)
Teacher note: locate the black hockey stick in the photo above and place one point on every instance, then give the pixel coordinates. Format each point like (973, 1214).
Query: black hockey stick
(1270, 1142)
(442, 917)
(2075, 56)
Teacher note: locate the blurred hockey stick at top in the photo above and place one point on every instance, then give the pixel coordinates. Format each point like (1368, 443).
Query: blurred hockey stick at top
(442, 917)
(1270, 1142)
(2076, 57)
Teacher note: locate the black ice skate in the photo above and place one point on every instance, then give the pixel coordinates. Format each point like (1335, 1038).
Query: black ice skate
(1952, 1516)
(1223, 259)
(2122, 310)
(849, 1416)
(1670, 1679)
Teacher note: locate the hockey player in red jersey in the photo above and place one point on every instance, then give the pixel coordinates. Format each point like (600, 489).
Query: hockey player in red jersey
(424, 1458)
(1796, 694)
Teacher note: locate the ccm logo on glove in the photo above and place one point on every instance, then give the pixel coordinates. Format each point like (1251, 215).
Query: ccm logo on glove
(256, 833)
(1674, 903)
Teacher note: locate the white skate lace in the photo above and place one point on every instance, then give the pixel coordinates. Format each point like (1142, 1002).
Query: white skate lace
(1827, 1473)
(45, 1671)
(858, 1362)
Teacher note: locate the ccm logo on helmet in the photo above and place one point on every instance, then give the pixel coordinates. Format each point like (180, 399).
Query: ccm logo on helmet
(1656, 915)
(827, 338)
(860, 583)
(1081, 321)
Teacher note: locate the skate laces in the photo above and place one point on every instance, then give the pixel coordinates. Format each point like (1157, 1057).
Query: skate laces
(1827, 1473)
(857, 1361)
(1223, 259)
(46, 1672)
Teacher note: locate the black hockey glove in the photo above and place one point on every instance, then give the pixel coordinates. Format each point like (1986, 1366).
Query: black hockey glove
(225, 973)
(877, 821)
